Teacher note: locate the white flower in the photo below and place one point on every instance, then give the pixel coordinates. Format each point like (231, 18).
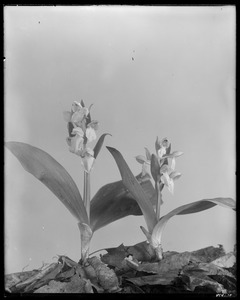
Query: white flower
(81, 132)
(161, 152)
(76, 142)
(76, 106)
(166, 180)
(90, 134)
(145, 162)
(161, 147)
(169, 175)
(77, 114)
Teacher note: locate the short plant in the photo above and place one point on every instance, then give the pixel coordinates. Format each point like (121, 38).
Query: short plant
(158, 167)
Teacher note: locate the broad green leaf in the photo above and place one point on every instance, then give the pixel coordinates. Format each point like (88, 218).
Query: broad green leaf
(131, 183)
(113, 202)
(99, 144)
(190, 208)
(46, 169)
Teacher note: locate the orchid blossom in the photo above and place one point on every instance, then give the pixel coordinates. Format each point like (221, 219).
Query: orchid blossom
(162, 173)
(166, 173)
(83, 132)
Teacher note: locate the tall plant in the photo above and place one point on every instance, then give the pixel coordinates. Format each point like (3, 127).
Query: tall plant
(110, 203)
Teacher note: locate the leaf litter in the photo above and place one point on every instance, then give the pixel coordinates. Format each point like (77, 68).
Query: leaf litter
(133, 269)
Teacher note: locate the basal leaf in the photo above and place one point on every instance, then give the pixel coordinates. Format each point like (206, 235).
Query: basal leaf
(99, 144)
(46, 169)
(113, 202)
(190, 208)
(131, 183)
(86, 236)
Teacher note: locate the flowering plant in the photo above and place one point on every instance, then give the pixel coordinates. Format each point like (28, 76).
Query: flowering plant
(82, 131)
(157, 167)
(109, 204)
(133, 195)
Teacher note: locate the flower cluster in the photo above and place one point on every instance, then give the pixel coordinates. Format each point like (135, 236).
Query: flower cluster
(161, 171)
(82, 130)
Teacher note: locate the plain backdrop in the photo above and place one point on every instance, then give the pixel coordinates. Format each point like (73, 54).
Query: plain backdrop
(149, 71)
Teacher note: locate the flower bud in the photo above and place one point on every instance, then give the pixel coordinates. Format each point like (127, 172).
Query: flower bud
(155, 168)
(141, 159)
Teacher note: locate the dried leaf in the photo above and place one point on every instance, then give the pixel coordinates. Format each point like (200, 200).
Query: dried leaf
(66, 261)
(53, 287)
(163, 279)
(205, 268)
(226, 261)
(142, 252)
(115, 256)
(106, 277)
(208, 254)
(12, 279)
(41, 278)
(204, 284)
(74, 285)
(202, 274)
(64, 275)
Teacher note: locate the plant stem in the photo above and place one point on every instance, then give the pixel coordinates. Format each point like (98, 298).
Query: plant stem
(159, 199)
(86, 236)
(86, 193)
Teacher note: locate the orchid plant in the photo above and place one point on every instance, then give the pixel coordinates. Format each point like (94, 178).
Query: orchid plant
(82, 131)
(111, 202)
(160, 167)
(133, 195)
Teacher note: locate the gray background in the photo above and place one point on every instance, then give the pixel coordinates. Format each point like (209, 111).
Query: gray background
(180, 84)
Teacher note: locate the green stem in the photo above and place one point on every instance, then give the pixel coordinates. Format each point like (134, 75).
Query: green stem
(86, 193)
(159, 198)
